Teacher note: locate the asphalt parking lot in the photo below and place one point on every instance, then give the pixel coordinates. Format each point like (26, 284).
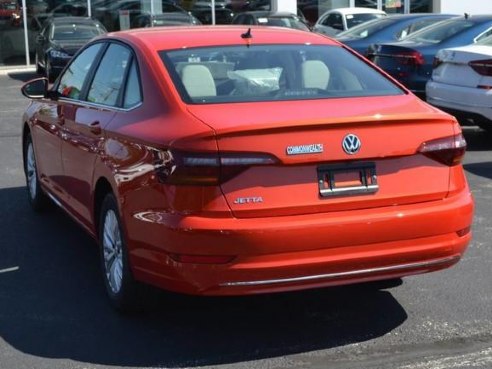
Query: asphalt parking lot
(54, 313)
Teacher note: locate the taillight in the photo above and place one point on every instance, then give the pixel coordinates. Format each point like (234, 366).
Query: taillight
(412, 57)
(436, 62)
(482, 67)
(449, 150)
(205, 169)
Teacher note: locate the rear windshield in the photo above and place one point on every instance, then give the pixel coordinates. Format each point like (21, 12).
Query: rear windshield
(367, 29)
(283, 22)
(75, 32)
(441, 31)
(357, 19)
(272, 73)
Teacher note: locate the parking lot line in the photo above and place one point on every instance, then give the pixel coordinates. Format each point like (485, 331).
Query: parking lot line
(13, 269)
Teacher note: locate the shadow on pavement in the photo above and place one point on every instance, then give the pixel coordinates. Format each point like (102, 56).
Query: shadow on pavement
(54, 306)
(477, 139)
(480, 169)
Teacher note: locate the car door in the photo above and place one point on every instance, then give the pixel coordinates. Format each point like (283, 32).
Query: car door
(84, 126)
(49, 121)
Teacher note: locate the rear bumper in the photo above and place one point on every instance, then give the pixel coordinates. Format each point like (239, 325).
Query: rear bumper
(301, 252)
(467, 100)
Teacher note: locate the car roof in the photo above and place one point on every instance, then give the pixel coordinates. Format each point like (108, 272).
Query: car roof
(418, 15)
(203, 36)
(478, 17)
(270, 14)
(355, 10)
(68, 20)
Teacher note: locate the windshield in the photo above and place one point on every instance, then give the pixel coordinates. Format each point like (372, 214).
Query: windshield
(75, 32)
(272, 73)
(283, 22)
(367, 29)
(441, 31)
(357, 19)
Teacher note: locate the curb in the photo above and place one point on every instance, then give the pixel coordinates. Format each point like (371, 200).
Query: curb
(6, 71)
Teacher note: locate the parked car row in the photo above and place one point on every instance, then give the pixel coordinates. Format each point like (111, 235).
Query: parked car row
(405, 46)
(449, 63)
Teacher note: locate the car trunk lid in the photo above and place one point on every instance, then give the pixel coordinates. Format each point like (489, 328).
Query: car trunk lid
(452, 64)
(307, 138)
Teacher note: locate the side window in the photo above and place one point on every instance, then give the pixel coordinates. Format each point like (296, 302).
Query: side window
(133, 95)
(334, 20)
(107, 82)
(72, 81)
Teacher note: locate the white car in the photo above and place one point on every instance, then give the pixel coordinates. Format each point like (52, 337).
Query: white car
(337, 20)
(462, 82)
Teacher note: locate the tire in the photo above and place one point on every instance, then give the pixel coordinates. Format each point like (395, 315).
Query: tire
(37, 198)
(484, 123)
(121, 287)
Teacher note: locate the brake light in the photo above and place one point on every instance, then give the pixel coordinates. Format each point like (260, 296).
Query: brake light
(205, 169)
(436, 62)
(482, 67)
(449, 150)
(412, 57)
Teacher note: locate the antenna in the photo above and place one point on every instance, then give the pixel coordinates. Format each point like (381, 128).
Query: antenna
(247, 34)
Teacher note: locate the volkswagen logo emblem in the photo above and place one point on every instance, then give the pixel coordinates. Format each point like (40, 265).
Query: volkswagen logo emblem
(351, 144)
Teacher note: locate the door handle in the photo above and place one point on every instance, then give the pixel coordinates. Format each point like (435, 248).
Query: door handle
(95, 127)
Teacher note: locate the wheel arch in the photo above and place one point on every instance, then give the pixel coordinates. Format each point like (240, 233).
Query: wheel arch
(101, 189)
(26, 130)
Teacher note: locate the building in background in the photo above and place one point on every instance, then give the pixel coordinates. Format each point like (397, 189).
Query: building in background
(22, 20)
(463, 6)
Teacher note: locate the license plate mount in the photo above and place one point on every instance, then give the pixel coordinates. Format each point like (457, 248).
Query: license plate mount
(347, 180)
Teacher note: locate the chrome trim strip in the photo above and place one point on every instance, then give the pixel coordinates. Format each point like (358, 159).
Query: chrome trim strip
(54, 199)
(353, 273)
(87, 104)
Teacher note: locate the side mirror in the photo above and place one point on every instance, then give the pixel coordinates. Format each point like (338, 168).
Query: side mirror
(35, 89)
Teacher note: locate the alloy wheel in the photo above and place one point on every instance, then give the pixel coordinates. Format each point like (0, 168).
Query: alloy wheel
(113, 251)
(32, 180)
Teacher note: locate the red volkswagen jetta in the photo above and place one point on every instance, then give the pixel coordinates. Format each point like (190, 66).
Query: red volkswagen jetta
(222, 161)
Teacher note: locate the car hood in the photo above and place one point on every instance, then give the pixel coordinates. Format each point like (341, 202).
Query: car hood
(359, 45)
(278, 129)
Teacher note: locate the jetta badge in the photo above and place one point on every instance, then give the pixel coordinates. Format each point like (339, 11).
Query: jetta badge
(351, 144)
(305, 149)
